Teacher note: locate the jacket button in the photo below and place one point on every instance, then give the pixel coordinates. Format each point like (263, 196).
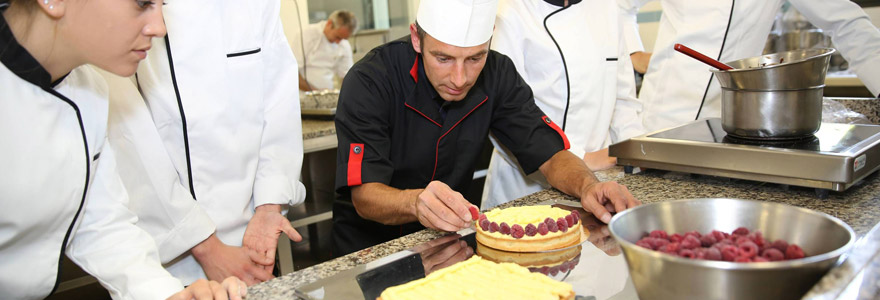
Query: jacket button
(547, 119)
(357, 149)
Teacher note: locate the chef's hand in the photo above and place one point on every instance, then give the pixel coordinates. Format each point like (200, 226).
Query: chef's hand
(221, 261)
(600, 236)
(263, 231)
(599, 160)
(230, 289)
(443, 252)
(604, 198)
(439, 207)
(640, 61)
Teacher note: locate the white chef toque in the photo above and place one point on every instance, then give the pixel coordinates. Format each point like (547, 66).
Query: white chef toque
(462, 23)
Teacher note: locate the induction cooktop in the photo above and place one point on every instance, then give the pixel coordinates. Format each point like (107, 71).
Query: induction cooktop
(834, 158)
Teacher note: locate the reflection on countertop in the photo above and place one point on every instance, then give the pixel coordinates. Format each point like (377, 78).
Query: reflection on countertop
(859, 207)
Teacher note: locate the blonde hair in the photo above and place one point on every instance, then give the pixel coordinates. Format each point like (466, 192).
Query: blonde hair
(344, 18)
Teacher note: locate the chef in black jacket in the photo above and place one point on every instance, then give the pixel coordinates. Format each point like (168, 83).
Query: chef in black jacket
(411, 121)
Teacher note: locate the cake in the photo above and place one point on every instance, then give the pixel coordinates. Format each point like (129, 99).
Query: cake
(547, 263)
(530, 228)
(477, 278)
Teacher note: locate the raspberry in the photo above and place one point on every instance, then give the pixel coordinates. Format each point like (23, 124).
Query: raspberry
(554, 270)
(700, 253)
(659, 234)
(687, 253)
(534, 270)
(748, 249)
(542, 229)
(505, 229)
(707, 240)
(694, 233)
(757, 237)
(780, 245)
(575, 217)
(493, 227)
(690, 242)
(563, 267)
(475, 214)
(569, 220)
(671, 248)
(561, 223)
(483, 217)
(552, 227)
(545, 270)
(741, 231)
(517, 231)
(760, 259)
(742, 239)
(718, 235)
(549, 221)
(644, 244)
(676, 238)
(728, 253)
(713, 254)
(773, 254)
(794, 252)
(531, 230)
(484, 224)
(657, 243)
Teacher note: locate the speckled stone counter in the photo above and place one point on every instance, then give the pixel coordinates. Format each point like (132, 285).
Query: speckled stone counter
(315, 128)
(870, 107)
(859, 207)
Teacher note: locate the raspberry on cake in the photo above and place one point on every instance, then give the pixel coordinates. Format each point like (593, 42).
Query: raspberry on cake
(529, 228)
(477, 278)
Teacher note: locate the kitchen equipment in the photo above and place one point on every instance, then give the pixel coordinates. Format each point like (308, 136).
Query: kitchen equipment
(699, 56)
(661, 276)
(774, 96)
(841, 155)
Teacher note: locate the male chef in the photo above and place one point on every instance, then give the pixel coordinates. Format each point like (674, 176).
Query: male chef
(411, 116)
(323, 50)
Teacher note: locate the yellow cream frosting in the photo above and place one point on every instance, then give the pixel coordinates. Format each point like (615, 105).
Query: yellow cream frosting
(524, 215)
(477, 278)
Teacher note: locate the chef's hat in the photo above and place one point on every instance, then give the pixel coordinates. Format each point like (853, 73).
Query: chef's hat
(462, 23)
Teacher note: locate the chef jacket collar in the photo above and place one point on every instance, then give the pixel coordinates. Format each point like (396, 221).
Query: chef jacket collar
(17, 59)
(425, 100)
(562, 2)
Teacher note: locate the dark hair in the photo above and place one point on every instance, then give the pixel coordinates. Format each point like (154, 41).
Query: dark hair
(421, 33)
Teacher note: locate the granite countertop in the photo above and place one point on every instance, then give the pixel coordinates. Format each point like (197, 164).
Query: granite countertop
(315, 128)
(859, 207)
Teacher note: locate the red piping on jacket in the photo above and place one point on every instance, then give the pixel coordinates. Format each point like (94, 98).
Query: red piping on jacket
(423, 115)
(558, 130)
(414, 72)
(437, 152)
(355, 157)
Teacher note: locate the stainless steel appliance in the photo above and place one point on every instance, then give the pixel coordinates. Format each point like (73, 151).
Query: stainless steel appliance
(834, 158)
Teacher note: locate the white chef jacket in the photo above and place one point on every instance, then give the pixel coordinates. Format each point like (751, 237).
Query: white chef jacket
(217, 131)
(60, 190)
(675, 84)
(322, 59)
(603, 108)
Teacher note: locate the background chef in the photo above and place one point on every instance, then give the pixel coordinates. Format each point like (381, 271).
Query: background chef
(323, 50)
(675, 85)
(586, 84)
(209, 139)
(410, 114)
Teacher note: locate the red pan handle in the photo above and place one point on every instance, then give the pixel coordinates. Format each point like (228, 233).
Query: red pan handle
(699, 56)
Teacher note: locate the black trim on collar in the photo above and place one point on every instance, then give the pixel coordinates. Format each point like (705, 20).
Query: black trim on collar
(562, 2)
(18, 60)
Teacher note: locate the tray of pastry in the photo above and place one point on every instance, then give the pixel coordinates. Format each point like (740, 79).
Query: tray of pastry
(319, 103)
(596, 270)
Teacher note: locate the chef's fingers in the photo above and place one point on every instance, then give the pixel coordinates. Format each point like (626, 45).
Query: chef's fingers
(219, 293)
(610, 208)
(591, 204)
(235, 288)
(291, 232)
(259, 273)
(462, 253)
(616, 195)
(200, 289)
(432, 246)
(447, 219)
(454, 200)
(260, 257)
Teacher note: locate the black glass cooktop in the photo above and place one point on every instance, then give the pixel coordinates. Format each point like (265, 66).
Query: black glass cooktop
(831, 137)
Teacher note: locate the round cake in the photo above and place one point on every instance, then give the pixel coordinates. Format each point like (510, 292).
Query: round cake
(529, 228)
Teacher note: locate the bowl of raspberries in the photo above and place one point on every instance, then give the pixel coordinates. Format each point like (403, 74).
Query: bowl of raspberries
(728, 248)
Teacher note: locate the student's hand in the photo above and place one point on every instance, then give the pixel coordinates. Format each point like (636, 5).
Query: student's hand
(599, 160)
(263, 230)
(604, 198)
(443, 252)
(640, 61)
(221, 261)
(230, 289)
(439, 207)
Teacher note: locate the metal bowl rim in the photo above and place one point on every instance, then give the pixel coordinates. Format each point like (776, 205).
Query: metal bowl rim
(734, 265)
(828, 53)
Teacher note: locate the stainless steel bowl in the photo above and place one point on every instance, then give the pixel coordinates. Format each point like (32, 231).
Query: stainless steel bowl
(790, 70)
(661, 276)
(774, 96)
(771, 115)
